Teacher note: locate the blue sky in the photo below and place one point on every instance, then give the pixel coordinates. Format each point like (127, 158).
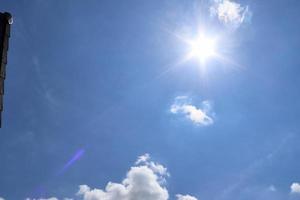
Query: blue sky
(104, 91)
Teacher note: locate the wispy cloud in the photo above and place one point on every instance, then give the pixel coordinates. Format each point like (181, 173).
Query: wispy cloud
(143, 181)
(143, 158)
(51, 198)
(199, 116)
(295, 188)
(43, 88)
(155, 167)
(257, 166)
(272, 188)
(185, 197)
(230, 13)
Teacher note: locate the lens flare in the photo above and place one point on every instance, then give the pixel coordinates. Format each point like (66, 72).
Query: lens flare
(75, 158)
(202, 48)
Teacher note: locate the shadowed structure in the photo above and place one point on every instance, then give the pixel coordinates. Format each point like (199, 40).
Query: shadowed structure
(5, 22)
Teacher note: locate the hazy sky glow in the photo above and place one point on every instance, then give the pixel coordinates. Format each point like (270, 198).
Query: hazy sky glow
(152, 100)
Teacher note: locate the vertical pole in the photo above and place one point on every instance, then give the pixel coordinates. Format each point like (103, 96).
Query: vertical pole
(5, 22)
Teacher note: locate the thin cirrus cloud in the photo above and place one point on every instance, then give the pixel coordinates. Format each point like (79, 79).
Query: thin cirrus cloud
(51, 198)
(295, 188)
(185, 197)
(199, 116)
(146, 180)
(272, 188)
(230, 13)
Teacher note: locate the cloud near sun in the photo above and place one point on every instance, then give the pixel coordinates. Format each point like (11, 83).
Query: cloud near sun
(199, 116)
(145, 180)
(295, 188)
(230, 13)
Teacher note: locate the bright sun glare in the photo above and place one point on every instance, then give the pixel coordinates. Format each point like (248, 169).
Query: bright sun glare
(202, 48)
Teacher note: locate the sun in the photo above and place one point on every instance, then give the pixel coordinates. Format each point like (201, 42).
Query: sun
(202, 48)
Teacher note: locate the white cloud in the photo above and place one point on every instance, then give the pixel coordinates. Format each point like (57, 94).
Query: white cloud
(295, 188)
(155, 167)
(142, 182)
(230, 13)
(199, 116)
(143, 158)
(185, 197)
(2, 198)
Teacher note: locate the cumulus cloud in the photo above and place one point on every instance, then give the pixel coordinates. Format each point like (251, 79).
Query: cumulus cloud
(141, 183)
(155, 167)
(185, 197)
(2, 198)
(144, 181)
(199, 116)
(230, 13)
(295, 188)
